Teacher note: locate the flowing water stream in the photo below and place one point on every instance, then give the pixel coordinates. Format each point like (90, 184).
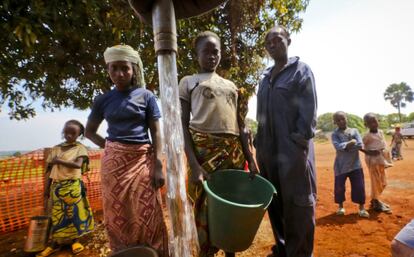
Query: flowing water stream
(183, 233)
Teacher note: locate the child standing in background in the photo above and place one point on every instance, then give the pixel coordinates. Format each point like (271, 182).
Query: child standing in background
(347, 143)
(396, 143)
(374, 148)
(71, 213)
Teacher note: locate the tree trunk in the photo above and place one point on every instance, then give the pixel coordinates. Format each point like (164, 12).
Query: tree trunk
(399, 111)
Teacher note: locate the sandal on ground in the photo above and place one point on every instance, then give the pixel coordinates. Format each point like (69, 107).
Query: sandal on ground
(385, 204)
(48, 251)
(386, 209)
(379, 206)
(363, 213)
(77, 248)
(340, 212)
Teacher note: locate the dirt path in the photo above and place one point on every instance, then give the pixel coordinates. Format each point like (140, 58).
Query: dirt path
(350, 235)
(347, 236)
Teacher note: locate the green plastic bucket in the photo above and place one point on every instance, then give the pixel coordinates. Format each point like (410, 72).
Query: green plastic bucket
(236, 205)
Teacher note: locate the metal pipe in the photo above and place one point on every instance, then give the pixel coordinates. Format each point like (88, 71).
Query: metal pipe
(163, 23)
(183, 8)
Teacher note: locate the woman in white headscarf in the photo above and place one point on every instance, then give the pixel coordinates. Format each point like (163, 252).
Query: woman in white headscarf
(131, 166)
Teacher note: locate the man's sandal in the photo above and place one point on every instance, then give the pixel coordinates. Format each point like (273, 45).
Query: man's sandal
(77, 248)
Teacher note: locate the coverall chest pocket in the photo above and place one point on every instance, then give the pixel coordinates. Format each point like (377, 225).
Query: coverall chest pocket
(285, 89)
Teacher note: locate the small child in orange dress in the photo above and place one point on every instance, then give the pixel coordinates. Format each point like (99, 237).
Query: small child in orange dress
(375, 158)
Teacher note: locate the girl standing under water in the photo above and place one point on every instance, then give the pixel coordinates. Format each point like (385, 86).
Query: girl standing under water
(215, 136)
(71, 213)
(131, 166)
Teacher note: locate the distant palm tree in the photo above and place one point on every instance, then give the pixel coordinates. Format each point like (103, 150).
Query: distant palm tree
(398, 95)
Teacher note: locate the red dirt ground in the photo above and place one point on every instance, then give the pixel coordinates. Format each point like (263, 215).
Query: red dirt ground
(347, 236)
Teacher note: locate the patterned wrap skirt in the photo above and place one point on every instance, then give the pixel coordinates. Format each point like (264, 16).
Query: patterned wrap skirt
(213, 152)
(132, 206)
(71, 212)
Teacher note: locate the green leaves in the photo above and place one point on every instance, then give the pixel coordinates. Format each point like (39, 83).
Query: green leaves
(398, 95)
(52, 50)
(326, 124)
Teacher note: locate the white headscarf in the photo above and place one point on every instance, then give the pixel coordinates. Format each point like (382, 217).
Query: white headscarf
(121, 53)
(125, 53)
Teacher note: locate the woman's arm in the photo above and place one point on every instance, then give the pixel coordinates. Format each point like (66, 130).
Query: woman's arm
(91, 133)
(198, 174)
(154, 126)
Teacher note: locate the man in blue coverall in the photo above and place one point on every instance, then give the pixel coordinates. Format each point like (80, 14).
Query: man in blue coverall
(286, 113)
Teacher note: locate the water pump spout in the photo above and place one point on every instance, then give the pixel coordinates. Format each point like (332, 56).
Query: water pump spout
(163, 24)
(183, 8)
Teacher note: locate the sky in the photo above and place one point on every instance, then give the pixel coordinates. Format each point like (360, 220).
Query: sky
(356, 49)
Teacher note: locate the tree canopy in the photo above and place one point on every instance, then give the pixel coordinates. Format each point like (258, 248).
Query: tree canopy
(386, 122)
(52, 51)
(252, 125)
(410, 117)
(399, 95)
(326, 124)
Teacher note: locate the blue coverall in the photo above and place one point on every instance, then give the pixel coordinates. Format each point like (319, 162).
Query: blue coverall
(286, 115)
